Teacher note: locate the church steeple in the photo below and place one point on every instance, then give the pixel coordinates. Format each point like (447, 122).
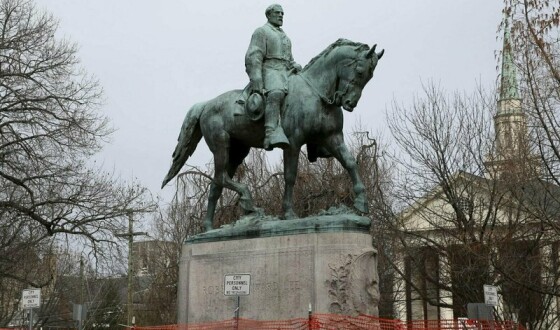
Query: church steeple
(510, 156)
(508, 84)
(510, 120)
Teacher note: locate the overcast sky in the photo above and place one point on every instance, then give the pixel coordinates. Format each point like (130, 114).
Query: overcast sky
(155, 59)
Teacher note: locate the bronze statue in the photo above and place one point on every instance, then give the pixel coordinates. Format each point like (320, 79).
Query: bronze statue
(311, 114)
(268, 63)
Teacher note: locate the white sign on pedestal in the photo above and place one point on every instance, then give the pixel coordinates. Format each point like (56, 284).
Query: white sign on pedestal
(237, 284)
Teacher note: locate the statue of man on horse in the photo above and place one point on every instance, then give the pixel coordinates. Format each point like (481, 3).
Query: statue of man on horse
(301, 109)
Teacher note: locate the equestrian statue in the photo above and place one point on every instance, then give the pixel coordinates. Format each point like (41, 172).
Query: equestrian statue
(283, 106)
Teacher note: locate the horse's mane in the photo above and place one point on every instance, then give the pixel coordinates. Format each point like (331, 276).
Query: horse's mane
(340, 42)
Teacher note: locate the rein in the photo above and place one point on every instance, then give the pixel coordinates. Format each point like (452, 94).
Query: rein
(323, 97)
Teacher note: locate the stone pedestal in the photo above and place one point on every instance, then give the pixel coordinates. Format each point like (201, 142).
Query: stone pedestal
(327, 261)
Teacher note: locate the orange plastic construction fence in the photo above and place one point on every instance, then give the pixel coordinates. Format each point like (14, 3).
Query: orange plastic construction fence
(463, 325)
(336, 321)
(341, 322)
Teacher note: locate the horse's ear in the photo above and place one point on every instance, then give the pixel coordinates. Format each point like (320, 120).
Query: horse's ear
(380, 54)
(371, 52)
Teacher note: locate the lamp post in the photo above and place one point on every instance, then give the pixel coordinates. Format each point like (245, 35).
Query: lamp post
(130, 235)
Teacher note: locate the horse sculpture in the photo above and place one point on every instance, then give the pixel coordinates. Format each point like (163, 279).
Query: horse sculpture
(311, 115)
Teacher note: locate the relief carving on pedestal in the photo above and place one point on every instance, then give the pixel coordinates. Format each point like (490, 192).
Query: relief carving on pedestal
(353, 287)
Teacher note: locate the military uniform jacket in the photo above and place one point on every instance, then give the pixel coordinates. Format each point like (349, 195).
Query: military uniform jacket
(269, 57)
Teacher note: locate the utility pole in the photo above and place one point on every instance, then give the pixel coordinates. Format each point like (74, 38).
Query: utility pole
(130, 235)
(81, 279)
(81, 307)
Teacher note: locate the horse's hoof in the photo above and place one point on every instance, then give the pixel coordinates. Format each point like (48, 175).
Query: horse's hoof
(255, 211)
(247, 205)
(290, 215)
(361, 205)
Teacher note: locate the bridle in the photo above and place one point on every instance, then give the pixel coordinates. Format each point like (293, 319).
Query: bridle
(338, 93)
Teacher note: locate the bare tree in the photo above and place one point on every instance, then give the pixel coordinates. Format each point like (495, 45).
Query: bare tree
(534, 26)
(439, 137)
(50, 127)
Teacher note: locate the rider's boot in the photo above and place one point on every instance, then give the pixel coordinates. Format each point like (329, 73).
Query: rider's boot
(274, 134)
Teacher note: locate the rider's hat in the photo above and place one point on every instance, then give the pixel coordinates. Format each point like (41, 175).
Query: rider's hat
(255, 106)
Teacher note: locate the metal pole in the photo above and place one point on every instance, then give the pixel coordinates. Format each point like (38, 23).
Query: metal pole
(493, 319)
(237, 313)
(129, 291)
(310, 318)
(31, 319)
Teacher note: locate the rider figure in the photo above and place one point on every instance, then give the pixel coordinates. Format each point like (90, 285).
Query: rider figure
(268, 63)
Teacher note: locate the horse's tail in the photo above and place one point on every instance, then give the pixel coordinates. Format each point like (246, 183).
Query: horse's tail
(188, 139)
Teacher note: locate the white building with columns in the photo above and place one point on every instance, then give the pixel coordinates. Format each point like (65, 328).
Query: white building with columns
(495, 229)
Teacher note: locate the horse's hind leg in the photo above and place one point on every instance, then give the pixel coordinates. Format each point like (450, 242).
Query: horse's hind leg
(224, 169)
(236, 156)
(335, 145)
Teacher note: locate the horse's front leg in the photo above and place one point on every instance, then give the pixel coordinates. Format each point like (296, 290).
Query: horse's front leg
(336, 146)
(213, 196)
(291, 156)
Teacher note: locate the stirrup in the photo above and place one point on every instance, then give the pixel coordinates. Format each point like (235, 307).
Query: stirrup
(276, 139)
